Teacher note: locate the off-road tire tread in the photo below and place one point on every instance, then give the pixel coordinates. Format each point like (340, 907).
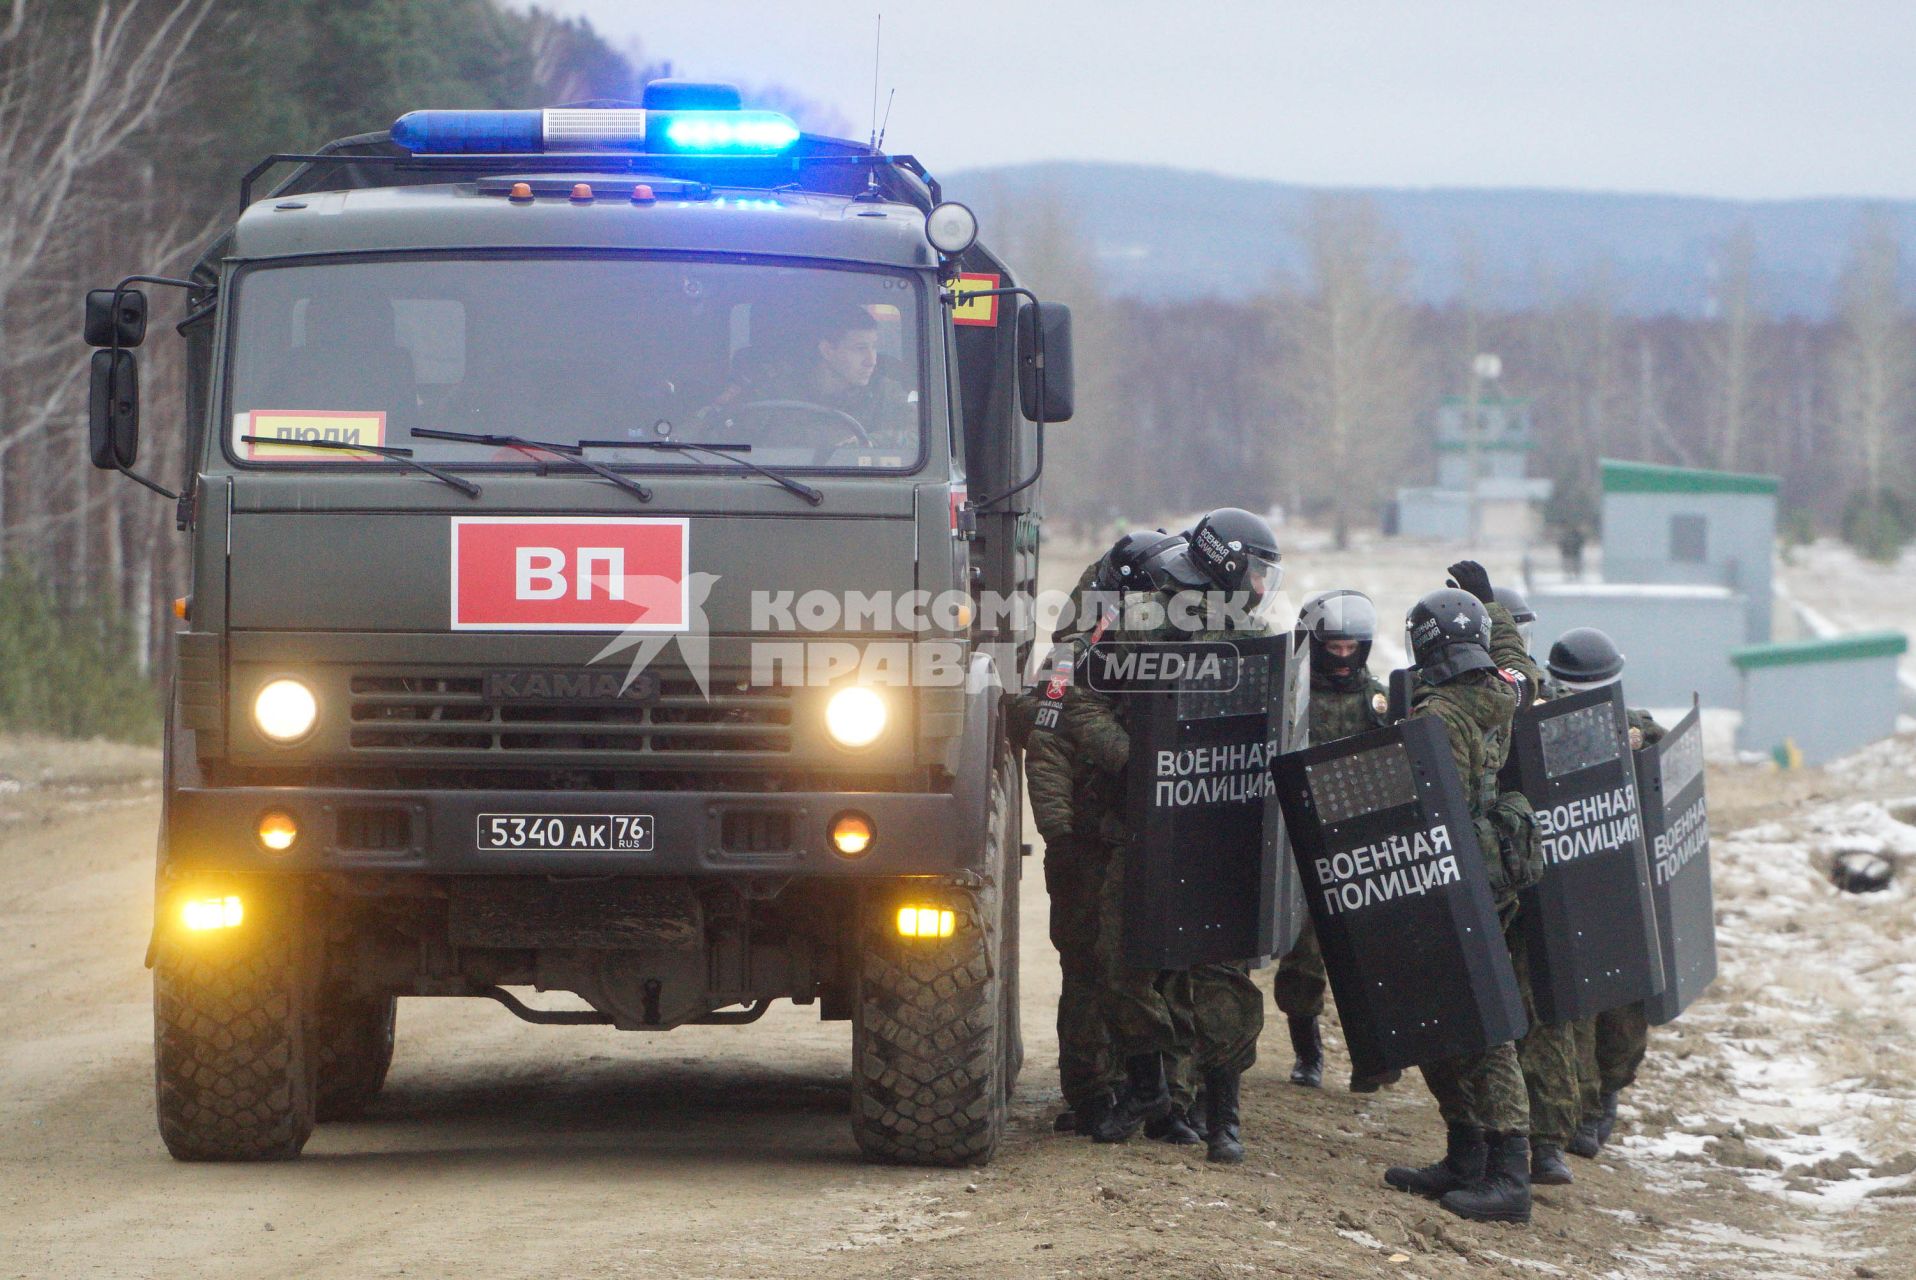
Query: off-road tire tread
(230, 1070)
(928, 1062)
(352, 1042)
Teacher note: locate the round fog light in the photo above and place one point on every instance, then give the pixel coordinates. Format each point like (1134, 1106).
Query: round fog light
(855, 717)
(277, 831)
(852, 834)
(285, 710)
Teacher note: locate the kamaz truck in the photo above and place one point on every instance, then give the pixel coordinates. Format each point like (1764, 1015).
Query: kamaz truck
(601, 523)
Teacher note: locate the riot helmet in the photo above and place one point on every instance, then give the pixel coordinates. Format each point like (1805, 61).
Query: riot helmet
(1448, 634)
(1332, 616)
(1584, 658)
(1520, 611)
(1234, 551)
(1135, 562)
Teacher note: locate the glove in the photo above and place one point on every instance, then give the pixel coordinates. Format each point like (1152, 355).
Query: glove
(1468, 575)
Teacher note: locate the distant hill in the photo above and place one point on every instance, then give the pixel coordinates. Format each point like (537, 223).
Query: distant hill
(1168, 233)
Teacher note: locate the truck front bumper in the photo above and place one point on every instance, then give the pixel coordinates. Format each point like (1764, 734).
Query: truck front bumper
(691, 832)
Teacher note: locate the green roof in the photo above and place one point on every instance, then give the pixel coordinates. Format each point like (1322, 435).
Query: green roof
(1644, 477)
(1864, 644)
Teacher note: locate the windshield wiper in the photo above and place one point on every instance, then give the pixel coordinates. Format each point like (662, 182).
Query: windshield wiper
(571, 452)
(729, 452)
(397, 454)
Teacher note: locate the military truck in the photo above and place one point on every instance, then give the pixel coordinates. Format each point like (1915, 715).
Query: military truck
(518, 440)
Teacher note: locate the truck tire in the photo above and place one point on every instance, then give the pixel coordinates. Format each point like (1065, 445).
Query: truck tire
(928, 1056)
(231, 1073)
(1010, 1020)
(352, 1038)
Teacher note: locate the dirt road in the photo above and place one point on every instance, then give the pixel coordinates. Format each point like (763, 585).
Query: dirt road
(501, 1149)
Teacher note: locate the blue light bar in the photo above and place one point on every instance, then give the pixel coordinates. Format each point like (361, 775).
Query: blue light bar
(716, 132)
(593, 129)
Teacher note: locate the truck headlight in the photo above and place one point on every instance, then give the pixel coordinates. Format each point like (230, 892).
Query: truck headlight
(855, 717)
(285, 710)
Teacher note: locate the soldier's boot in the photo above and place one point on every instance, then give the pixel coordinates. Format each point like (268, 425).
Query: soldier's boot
(1174, 1127)
(1221, 1118)
(1462, 1165)
(1309, 1047)
(1607, 1120)
(1548, 1167)
(1371, 1084)
(1084, 1117)
(1145, 1096)
(1586, 1141)
(1503, 1194)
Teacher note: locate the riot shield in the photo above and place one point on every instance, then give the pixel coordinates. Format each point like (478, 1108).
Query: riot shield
(1292, 912)
(1676, 828)
(1589, 928)
(1398, 894)
(1200, 880)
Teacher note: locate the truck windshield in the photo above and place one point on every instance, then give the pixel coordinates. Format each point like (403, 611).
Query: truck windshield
(809, 366)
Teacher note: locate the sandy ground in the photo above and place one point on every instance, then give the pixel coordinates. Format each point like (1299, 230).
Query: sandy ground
(1771, 1136)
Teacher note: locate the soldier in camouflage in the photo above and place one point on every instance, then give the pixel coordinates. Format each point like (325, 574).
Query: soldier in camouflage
(1338, 627)
(1212, 1013)
(1485, 1172)
(1611, 1045)
(1070, 801)
(1548, 1051)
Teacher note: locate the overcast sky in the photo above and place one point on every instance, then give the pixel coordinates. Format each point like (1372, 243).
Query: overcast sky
(1744, 98)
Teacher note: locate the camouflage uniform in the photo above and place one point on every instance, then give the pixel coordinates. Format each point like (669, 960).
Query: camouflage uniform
(1207, 1018)
(1610, 1046)
(1069, 801)
(1548, 1051)
(1336, 711)
(1484, 1089)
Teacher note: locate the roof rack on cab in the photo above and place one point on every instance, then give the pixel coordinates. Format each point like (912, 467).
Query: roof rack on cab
(680, 130)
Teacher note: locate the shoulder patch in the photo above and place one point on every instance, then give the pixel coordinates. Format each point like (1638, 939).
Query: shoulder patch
(1379, 703)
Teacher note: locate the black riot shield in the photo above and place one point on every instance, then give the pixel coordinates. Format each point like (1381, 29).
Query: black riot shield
(1676, 828)
(1588, 928)
(1201, 881)
(1398, 894)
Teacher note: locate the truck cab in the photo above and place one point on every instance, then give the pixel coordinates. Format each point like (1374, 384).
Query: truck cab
(602, 525)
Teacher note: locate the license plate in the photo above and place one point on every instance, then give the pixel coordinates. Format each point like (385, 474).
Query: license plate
(566, 832)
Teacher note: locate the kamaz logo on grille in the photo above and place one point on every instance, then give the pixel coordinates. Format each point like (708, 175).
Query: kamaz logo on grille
(567, 686)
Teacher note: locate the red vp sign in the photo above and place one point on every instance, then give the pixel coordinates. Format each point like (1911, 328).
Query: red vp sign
(585, 573)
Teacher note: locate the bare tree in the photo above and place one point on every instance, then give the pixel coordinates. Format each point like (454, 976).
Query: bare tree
(1348, 349)
(1731, 355)
(73, 91)
(1873, 365)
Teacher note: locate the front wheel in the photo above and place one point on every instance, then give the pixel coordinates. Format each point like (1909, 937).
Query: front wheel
(232, 1076)
(353, 1046)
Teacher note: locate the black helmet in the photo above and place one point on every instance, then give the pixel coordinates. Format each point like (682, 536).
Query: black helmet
(1520, 611)
(1236, 551)
(1448, 633)
(1584, 657)
(1135, 561)
(1338, 615)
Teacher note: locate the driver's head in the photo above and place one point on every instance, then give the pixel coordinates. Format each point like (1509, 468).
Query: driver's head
(848, 348)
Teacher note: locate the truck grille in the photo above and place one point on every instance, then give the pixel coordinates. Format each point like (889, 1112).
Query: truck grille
(428, 714)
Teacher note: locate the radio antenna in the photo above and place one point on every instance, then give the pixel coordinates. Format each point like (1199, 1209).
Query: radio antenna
(885, 123)
(878, 45)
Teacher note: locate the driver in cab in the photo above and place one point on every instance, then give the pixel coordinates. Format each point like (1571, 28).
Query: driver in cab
(839, 374)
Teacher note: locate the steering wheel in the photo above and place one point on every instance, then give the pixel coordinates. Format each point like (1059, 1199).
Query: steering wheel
(855, 428)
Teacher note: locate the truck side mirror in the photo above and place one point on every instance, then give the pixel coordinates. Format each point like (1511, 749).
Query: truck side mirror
(113, 410)
(1054, 344)
(109, 325)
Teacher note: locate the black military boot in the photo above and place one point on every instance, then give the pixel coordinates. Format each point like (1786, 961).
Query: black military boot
(1145, 1096)
(1084, 1117)
(1548, 1167)
(1607, 1121)
(1174, 1127)
(1309, 1047)
(1220, 1118)
(1463, 1164)
(1503, 1195)
(1586, 1141)
(1371, 1084)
